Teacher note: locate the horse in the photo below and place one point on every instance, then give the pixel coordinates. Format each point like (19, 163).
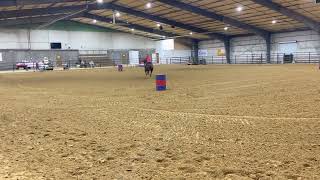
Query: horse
(148, 68)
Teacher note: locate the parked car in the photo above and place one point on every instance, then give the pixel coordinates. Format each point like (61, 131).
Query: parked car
(26, 65)
(34, 65)
(48, 67)
(21, 65)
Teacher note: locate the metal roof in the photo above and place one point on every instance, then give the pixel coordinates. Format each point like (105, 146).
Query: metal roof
(196, 19)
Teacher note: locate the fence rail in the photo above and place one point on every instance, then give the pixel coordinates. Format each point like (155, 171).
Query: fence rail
(102, 60)
(275, 58)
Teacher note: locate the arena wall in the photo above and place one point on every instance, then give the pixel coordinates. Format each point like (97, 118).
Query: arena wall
(305, 41)
(81, 40)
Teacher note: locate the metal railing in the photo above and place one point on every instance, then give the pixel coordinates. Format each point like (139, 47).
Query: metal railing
(275, 58)
(96, 62)
(249, 59)
(101, 60)
(84, 52)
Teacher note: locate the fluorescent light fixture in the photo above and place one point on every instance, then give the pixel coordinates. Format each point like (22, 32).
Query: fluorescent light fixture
(239, 9)
(149, 5)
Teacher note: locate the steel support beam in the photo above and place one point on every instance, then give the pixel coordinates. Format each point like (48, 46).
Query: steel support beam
(215, 16)
(268, 43)
(95, 6)
(115, 30)
(164, 20)
(128, 25)
(195, 51)
(32, 20)
(227, 49)
(314, 25)
(4, 3)
(41, 11)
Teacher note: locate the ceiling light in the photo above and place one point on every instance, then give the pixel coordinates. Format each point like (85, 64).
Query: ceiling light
(158, 24)
(132, 29)
(118, 14)
(191, 33)
(226, 28)
(239, 9)
(274, 21)
(149, 5)
(100, 1)
(94, 21)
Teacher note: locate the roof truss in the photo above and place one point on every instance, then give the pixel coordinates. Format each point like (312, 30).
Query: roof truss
(314, 25)
(215, 16)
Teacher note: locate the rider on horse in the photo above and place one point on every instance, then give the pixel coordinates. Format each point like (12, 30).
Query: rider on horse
(148, 66)
(148, 59)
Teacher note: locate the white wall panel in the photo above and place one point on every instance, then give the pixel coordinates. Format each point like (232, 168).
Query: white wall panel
(82, 40)
(306, 41)
(211, 46)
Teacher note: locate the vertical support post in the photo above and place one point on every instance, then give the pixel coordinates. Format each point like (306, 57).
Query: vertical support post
(252, 56)
(195, 51)
(227, 49)
(268, 43)
(29, 39)
(309, 57)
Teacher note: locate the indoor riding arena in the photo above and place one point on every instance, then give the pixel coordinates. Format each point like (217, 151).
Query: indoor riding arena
(159, 89)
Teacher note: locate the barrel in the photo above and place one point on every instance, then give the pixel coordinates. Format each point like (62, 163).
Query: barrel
(161, 82)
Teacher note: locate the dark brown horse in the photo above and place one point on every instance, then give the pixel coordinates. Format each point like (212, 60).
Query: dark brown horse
(148, 68)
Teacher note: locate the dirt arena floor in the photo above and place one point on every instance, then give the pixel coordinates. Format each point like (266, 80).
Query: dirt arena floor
(215, 122)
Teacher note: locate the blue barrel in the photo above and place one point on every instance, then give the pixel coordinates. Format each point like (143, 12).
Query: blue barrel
(161, 82)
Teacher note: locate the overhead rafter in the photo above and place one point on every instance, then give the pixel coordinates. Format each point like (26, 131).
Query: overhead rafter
(32, 20)
(128, 25)
(40, 11)
(4, 3)
(215, 16)
(95, 6)
(60, 11)
(314, 25)
(164, 20)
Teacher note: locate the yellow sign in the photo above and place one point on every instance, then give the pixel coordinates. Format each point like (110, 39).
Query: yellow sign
(220, 52)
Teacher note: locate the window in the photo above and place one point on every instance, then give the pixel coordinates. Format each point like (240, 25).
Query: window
(55, 45)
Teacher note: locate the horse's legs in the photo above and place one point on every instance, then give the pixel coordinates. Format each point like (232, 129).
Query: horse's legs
(151, 71)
